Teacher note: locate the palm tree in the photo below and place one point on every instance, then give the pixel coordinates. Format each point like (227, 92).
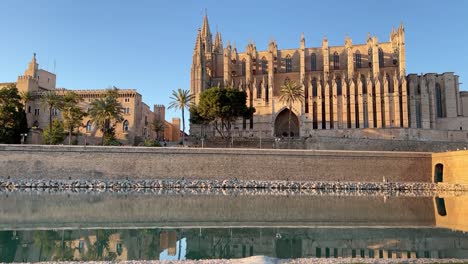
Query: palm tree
(181, 100)
(52, 101)
(290, 93)
(104, 111)
(72, 114)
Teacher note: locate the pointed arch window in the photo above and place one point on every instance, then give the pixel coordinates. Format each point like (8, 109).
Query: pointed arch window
(336, 61)
(439, 101)
(357, 60)
(381, 58)
(339, 90)
(264, 66)
(390, 84)
(314, 87)
(288, 64)
(89, 126)
(313, 62)
(125, 126)
(243, 67)
(364, 84)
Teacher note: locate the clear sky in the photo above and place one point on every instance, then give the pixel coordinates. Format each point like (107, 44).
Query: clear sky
(148, 44)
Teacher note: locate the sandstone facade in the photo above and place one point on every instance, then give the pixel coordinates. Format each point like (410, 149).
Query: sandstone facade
(138, 116)
(353, 86)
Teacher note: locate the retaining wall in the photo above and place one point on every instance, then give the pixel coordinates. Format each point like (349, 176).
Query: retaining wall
(84, 162)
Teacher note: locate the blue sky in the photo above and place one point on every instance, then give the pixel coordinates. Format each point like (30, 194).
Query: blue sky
(148, 44)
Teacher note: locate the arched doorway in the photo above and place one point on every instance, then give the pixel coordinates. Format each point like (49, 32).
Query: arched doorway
(282, 124)
(439, 173)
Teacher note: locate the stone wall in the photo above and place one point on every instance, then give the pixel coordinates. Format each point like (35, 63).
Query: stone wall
(80, 162)
(455, 166)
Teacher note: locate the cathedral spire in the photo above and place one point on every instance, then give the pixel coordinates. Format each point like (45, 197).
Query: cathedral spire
(218, 42)
(206, 37)
(206, 27)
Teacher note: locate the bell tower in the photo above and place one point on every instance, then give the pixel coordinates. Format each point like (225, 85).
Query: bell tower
(203, 60)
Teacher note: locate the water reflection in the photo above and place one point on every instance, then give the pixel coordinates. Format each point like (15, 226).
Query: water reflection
(86, 227)
(210, 243)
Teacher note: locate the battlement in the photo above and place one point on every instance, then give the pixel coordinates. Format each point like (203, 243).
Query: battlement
(27, 77)
(159, 106)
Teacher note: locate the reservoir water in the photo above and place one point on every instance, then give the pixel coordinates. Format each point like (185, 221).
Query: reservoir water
(41, 226)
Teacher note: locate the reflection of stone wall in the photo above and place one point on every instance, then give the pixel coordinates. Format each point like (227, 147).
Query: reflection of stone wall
(21, 211)
(456, 210)
(78, 162)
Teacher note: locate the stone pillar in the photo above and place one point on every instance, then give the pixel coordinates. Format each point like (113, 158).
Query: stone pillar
(378, 102)
(370, 103)
(404, 101)
(396, 102)
(352, 103)
(412, 86)
(334, 104)
(319, 104)
(327, 102)
(425, 120)
(344, 103)
(387, 121)
(432, 100)
(360, 103)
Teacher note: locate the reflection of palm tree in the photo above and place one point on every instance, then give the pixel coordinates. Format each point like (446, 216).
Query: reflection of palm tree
(46, 241)
(290, 93)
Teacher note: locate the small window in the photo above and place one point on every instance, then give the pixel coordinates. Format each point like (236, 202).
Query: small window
(313, 62)
(357, 60)
(264, 66)
(81, 246)
(381, 58)
(336, 61)
(126, 110)
(127, 100)
(29, 109)
(125, 125)
(89, 126)
(440, 204)
(288, 64)
(119, 249)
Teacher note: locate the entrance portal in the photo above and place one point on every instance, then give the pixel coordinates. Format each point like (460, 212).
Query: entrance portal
(282, 126)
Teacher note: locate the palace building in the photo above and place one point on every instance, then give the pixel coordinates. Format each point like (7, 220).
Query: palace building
(354, 86)
(135, 128)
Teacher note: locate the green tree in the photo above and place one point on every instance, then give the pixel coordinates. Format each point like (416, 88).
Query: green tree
(56, 136)
(221, 107)
(71, 113)
(290, 93)
(52, 101)
(158, 127)
(26, 97)
(12, 116)
(197, 119)
(105, 113)
(181, 100)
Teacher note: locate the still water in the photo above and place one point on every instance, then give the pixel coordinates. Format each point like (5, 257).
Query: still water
(105, 226)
